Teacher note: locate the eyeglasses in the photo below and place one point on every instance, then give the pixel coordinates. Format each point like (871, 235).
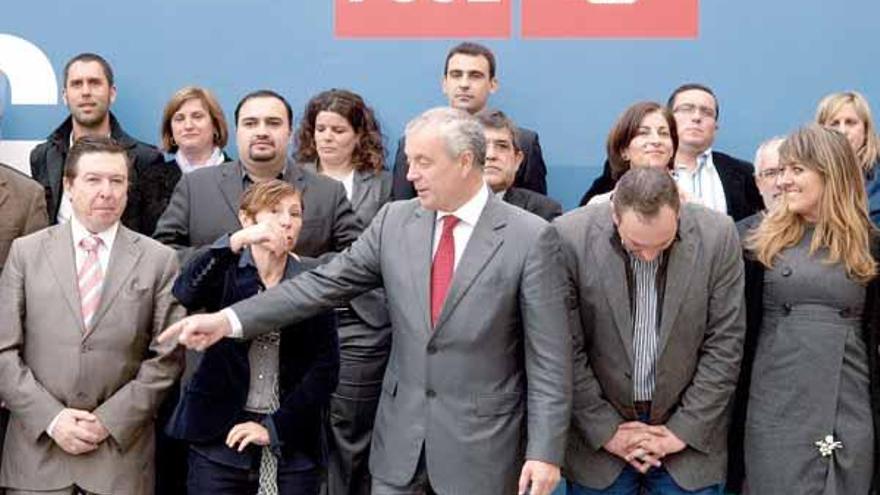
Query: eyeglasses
(690, 109)
(770, 173)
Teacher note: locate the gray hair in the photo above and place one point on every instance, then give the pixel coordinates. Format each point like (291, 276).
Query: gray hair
(460, 131)
(774, 141)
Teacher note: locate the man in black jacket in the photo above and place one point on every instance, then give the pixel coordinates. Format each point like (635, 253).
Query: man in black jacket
(88, 93)
(503, 159)
(713, 179)
(468, 81)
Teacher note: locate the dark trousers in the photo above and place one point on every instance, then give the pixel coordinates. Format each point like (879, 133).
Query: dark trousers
(362, 360)
(207, 477)
(171, 454)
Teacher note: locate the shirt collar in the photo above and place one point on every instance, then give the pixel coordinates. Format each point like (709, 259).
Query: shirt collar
(704, 159)
(469, 212)
(79, 233)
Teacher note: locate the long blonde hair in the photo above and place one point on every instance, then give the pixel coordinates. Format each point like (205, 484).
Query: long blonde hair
(843, 226)
(831, 104)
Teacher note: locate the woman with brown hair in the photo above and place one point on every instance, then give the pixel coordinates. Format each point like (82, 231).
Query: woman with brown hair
(811, 293)
(644, 135)
(339, 137)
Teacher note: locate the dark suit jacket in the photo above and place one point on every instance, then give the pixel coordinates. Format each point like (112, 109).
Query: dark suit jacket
(702, 322)
(754, 293)
(205, 202)
(23, 204)
(213, 401)
(47, 168)
(737, 179)
(156, 186)
(532, 173)
(540, 205)
(490, 383)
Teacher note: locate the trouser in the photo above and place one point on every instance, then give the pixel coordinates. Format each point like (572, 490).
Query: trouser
(353, 405)
(206, 477)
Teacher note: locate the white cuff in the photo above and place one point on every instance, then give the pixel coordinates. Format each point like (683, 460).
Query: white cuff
(51, 428)
(234, 323)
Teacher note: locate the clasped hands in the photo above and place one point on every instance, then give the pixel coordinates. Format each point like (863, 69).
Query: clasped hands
(642, 445)
(77, 431)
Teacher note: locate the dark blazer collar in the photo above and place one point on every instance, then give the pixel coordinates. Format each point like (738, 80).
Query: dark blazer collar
(61, 135)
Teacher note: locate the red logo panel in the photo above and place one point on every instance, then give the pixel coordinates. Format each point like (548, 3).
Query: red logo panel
(610, 18)
(422, 18)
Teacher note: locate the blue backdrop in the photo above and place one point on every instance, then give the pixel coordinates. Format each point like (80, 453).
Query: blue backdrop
(769, 62)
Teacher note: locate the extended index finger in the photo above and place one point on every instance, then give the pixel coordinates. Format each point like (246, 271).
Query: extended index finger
(171, 332)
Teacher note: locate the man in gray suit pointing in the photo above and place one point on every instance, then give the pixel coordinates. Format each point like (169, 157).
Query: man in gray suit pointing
(476, 396)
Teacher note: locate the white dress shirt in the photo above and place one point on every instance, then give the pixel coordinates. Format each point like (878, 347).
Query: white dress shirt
(468, 214)
(702, 185)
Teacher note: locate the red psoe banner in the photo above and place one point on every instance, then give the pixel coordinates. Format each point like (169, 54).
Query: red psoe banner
(610, 18)
(422, 18)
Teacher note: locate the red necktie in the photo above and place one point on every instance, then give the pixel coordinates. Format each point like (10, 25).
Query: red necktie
(442, 267)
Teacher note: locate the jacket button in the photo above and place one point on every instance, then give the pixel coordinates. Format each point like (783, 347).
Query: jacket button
(787, 271)
(430, 393)
(844, 313)
(432, 349)
(786, 308)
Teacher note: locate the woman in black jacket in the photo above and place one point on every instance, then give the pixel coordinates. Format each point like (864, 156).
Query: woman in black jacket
(253, 411)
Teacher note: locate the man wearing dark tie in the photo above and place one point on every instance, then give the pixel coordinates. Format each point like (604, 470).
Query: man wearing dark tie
(476, 396)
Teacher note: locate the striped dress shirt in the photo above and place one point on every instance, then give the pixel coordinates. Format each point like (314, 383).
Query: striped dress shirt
(645, 325)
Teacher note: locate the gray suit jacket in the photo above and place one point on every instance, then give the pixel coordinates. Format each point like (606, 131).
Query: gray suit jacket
(487, 387)
(117, 370)
(204, 206)
(699, 349)
(23, 203)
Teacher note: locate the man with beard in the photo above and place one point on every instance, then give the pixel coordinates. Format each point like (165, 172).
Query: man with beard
(204, 204)
(89, 90)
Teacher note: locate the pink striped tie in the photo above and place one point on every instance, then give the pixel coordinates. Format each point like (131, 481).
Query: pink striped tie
(90, 279)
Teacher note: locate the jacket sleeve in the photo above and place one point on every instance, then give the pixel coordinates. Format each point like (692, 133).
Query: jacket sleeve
(200, 284)
(401, 188)
(705, 403)
(293, 417)
(593, 417)
(173, 226)
(125, 413)
(532, 174)
(19, 388)
(38, 216)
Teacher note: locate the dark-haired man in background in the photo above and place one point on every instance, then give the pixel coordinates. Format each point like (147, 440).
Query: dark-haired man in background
(468, 82)
(89, 91)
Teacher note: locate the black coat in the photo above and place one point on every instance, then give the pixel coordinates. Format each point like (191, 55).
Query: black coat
(47, 168)
(532, 173)
(213, 401)
(544, 207)
(754, 289)
(737, 178)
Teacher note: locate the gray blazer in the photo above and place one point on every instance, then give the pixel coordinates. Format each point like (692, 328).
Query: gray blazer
(369, 193)
(487, 387)
(117, 370)
(699, 350)
(204, 206)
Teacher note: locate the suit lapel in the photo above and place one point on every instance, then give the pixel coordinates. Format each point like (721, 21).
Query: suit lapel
(615, 286)
(61, 258)
(231, 186)
(482, 246)
(682, 256)
(359, 189)
(418, 241)
(123, 258)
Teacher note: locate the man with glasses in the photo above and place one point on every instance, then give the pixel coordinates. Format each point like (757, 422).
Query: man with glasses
(713, 179)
